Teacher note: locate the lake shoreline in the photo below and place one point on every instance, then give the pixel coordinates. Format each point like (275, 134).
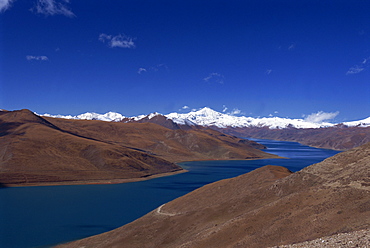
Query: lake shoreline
(125, 180)
(70, 212)
(102, 181)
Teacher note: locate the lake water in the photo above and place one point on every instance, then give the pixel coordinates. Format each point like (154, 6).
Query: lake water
(43, 216)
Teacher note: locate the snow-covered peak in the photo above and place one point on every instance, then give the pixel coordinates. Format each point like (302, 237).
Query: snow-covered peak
(360, 123)
(206, 112)
(203, 117)
(140, 117)
(209, 117)
(58, 116)
(150, 116)
(137, 118)
(110, 116)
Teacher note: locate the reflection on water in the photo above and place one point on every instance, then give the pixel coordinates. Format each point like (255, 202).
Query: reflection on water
(40, 216)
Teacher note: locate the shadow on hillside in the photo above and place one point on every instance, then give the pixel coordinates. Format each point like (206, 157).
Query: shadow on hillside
(3, 186)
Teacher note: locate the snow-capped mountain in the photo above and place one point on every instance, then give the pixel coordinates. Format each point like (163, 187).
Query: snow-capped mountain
(209, 117)
(110, 116)
(361, 123)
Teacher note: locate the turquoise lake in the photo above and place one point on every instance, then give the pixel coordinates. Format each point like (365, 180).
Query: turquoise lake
(47, 215)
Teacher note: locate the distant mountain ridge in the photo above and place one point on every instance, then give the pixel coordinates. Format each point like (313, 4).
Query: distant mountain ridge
(342, 136)
(209, 117)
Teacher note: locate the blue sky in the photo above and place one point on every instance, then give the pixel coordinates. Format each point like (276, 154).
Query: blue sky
(281, 58)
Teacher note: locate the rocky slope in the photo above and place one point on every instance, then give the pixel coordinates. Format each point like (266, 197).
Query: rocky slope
(342, 240)
(266, 207)
(36, 150)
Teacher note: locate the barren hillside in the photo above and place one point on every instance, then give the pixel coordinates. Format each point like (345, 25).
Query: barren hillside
(337, 138)
(266, 207)
(39, 151)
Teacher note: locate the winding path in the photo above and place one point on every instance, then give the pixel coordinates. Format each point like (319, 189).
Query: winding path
(162, 213)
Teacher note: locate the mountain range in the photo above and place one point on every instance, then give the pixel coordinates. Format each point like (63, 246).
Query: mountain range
(340, 136)
(208, 117)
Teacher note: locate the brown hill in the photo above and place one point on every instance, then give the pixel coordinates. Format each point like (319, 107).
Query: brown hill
(344, 240)
(160, 120)
(173, 145)
(266, 207)
(36, 150)
(339, 137)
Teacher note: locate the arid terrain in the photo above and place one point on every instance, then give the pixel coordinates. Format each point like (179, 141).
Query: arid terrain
(267, 207)
(343, 240)
(42, 151)
(337, 138)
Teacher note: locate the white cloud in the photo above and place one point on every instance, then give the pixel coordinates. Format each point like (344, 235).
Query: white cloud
(141, 70)
(275, 112)
(358, 68)
(158, 67)
(292, 46)
(214, 78)
(5, 4)
(120, 40)
(184, 108)
(42, 58)
(155, 68)
(321, 116)
(235, 111)
(268, 71)
(103, 37)
(224, 108)
(53, 7)
(355, 69)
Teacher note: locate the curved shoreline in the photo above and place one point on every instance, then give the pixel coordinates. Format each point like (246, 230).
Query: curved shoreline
(102, 181)
(124, 180)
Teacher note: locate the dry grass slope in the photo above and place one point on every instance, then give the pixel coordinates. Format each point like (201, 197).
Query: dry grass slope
(41, 151)
(266, 207)
(337, 138)
(33, 151)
